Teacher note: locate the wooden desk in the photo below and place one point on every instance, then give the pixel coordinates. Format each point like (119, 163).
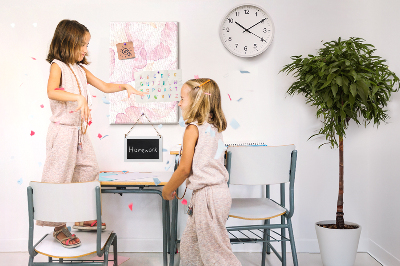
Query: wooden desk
(143, 183)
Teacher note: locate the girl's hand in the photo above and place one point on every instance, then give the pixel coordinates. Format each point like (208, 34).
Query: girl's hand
(83, 106)
(168, 196)
(131, 90)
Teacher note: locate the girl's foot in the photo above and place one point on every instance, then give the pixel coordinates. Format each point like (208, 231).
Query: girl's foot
(88, 226)
(64, 236)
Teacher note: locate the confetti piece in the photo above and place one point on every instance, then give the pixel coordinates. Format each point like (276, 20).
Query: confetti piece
(196, 76)
(20, 181)
(69, 228)
(94, 96)
(41, 106)
(181, 122)
(208, 129)
(124, 172)
(21, 84)
(40, 164)
(59, 89)
(167, 162)
(167, 167)
(212, 133)
(160, 126)
(244, 71)
(12, 25)
(220, 150)
(229, 97)
(71, 112)
(234, 124)
(130, 206)
(164, 150)
(32, 133)
(99, 136)
(108, 115)
(89, 123)
(156, 181)
(105, 100)
(57, 123)
(206, 93)
(240, 99)
(34, 25)
(33, 58)
(104, 136)
(184, 202)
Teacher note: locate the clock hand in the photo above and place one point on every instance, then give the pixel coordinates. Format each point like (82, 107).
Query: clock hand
(256, 24)
(262, 39)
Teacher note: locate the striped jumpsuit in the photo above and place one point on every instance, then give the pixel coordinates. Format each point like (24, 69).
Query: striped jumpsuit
(205, 240)
(64, 162)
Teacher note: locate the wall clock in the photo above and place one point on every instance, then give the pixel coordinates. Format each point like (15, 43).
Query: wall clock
(247, 30)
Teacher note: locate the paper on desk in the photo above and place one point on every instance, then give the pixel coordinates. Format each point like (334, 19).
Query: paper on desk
(102, 178)
(134, 176)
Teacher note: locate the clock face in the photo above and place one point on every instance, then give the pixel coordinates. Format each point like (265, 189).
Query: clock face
(247, 31)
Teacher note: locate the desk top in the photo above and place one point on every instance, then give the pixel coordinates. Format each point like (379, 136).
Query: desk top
(134, 178)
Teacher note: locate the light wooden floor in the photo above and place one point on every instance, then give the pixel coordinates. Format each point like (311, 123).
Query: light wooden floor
(155, 259)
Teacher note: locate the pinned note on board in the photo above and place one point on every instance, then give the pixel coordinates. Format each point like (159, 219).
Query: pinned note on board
(125, 50)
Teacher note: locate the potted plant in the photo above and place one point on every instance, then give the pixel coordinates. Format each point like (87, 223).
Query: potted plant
(344, 81)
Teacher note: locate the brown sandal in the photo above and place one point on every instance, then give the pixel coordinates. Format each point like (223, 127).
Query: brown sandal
(68, 238)
(88, 227)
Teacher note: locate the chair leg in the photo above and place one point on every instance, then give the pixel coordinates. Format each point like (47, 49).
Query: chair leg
(115, 251)
(292, 244)
(283, 243)
(265, 247)
(30, 261)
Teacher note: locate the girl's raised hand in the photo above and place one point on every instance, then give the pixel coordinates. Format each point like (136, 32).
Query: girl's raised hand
(131, 90)
(83, 106)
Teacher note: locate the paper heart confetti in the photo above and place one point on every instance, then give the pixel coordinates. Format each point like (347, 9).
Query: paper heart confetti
(184, 202)
(130, 206)
(41, 106)
(32, 133)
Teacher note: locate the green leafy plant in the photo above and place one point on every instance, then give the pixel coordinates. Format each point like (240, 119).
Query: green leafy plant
(344, 81)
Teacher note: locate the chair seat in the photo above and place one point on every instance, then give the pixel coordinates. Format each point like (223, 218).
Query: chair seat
(50, 247)
(255, 209)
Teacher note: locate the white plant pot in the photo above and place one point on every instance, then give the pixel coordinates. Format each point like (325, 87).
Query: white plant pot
(338, 247)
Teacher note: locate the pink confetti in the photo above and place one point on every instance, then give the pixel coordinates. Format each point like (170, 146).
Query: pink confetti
(71, 112)
(21, 84)
(229, 97)
(130, 206)
(184, 202)
(33, 58)
(89, 123)
(32, 133)
(99, 136)
(57, 123)
(207, 93)
(196, 76)
(41, 106)
(59, 89)
(94, 96)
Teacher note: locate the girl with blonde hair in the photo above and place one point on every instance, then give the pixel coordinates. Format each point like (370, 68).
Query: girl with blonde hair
(205, 240)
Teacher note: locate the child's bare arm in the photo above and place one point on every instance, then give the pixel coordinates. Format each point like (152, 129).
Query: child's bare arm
(110, 87)
(60, 95)
(185, 166)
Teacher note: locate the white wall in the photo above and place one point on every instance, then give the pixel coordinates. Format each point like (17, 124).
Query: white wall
(266, 113)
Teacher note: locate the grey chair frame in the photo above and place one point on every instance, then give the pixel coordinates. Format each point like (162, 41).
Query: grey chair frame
(100, 252)
(250, 237)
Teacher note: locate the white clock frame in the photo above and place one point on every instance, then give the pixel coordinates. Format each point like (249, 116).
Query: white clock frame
(246, 37)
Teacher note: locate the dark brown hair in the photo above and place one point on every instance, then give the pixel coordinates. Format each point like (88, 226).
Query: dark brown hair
(205, 103)
(67, 40)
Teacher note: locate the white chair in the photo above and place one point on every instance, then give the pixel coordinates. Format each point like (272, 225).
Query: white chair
(263, 165)
(68, 203)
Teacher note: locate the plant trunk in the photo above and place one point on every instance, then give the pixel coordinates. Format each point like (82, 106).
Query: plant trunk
(339, 212)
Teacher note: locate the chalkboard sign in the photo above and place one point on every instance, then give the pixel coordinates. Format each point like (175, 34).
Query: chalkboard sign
(143, 149)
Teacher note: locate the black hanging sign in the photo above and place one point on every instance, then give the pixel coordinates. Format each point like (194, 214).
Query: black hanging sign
(143, 149)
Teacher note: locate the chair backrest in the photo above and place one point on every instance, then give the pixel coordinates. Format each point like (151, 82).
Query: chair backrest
(64, 202)
(259, 165)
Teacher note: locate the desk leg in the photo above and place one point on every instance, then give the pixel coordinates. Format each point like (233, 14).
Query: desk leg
(165, 228)
(174, 231)
(168, 226)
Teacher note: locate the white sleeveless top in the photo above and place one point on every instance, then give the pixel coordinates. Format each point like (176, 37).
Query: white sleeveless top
(207, 171)
(61, 110)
